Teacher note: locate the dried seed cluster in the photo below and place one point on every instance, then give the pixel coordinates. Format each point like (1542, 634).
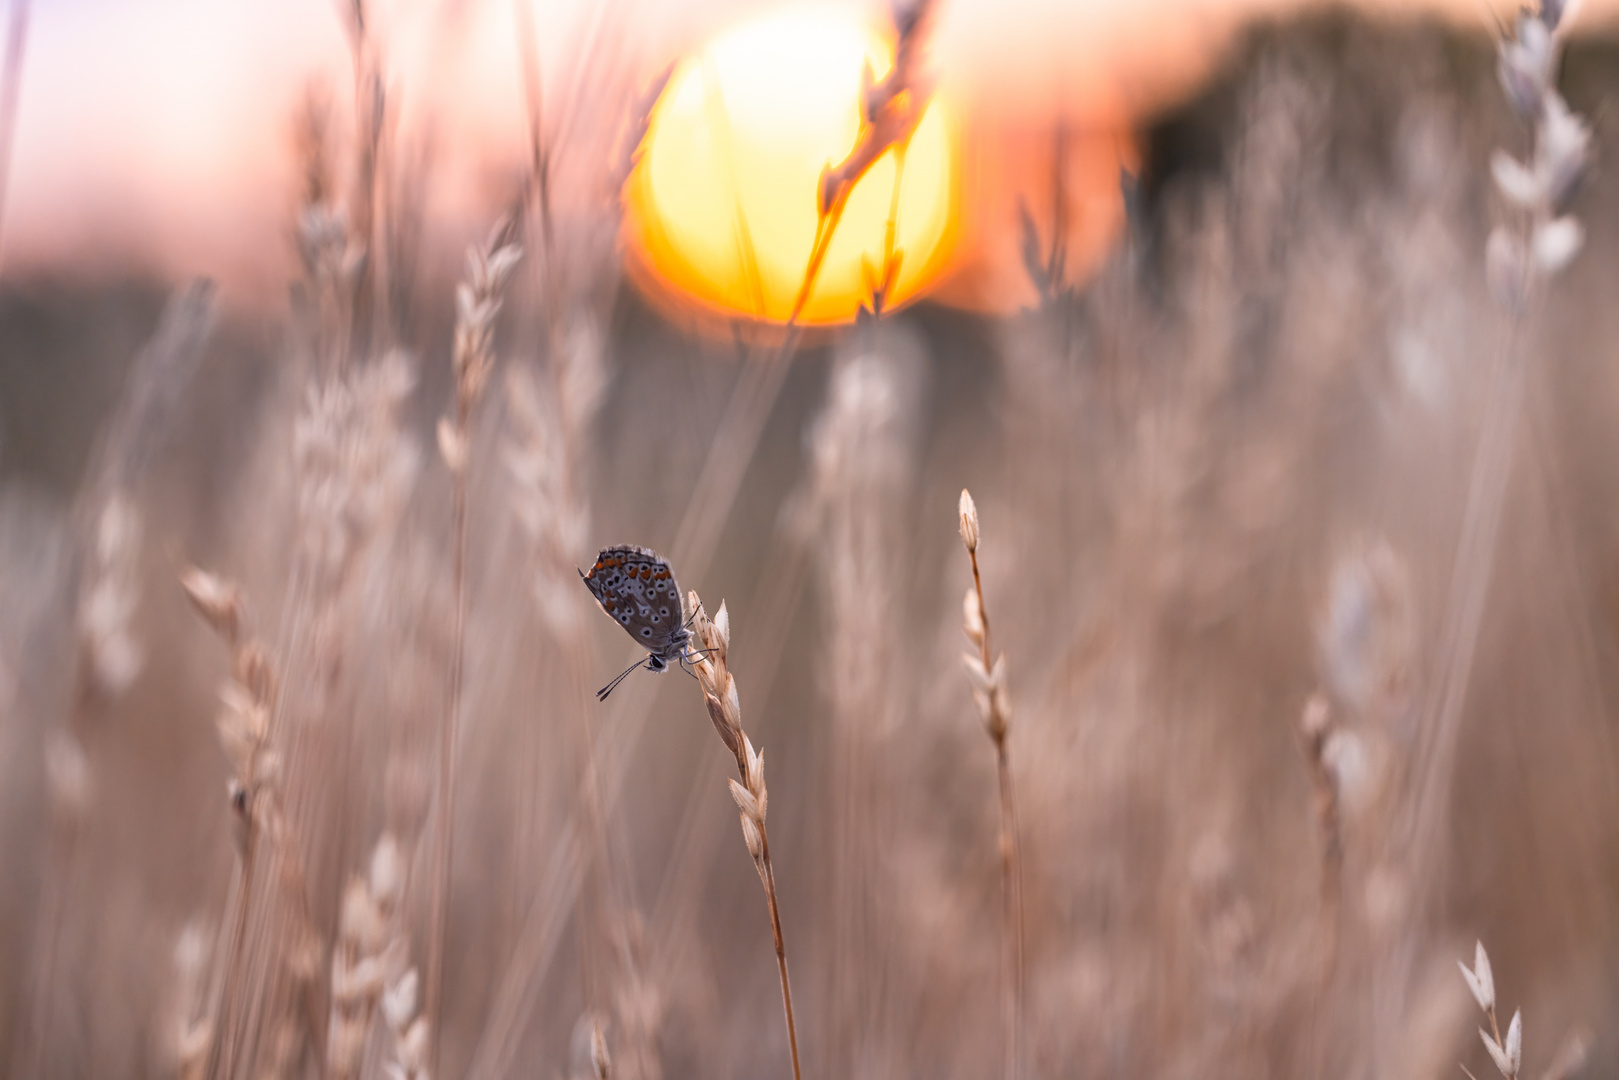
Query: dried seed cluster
(988, 682)
(477, 302)
(1506, 1052)
(249, 700)
(370, 967)
(259, 826)
(1541, 188)
(988, 679)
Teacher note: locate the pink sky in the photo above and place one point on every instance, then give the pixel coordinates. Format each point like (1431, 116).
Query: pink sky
(158, 134)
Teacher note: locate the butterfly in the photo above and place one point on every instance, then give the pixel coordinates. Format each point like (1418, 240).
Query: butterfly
(636, 587)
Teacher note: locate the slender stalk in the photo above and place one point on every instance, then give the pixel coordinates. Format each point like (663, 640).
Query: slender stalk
(444, 833)
(478, 302)
(767, 876)
(223, 1049)
(1011, 914)
(825, 227)
(989, 691)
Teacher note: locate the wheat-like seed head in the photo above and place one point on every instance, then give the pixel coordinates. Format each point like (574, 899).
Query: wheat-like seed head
(1541, 188)
(969, 522)
(477, 302)
(890, 109)
(249, 699)
(369, 961)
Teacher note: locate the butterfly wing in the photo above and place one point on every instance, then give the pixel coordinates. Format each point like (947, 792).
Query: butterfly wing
(637, 588)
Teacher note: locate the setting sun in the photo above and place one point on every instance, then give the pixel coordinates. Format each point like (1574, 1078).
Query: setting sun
(722, 208)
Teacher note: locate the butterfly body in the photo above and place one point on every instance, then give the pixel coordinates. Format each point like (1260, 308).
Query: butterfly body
(636, 587)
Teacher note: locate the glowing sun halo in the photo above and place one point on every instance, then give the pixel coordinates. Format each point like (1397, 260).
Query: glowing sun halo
(722, 205)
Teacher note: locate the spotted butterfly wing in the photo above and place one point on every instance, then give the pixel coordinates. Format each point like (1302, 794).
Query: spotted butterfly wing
(637, 588)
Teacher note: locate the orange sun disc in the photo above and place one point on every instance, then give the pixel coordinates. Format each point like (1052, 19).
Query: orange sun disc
(721, 209)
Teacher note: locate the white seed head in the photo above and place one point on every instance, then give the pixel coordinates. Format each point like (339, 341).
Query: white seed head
(969, 521)
(399, 1001)
(1481, 980)
(1498, 1055)
(216, 600)
(452, 445)
(1562, 150)
(500, 265)
(1556, 243)
(1348, 761)
(722, 625)
(1518, 183)
(756, 766)
(1526, 65)
(1514, 1045)
(972, 616)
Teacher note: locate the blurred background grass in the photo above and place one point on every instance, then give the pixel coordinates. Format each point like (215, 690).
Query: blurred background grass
(1220, 474)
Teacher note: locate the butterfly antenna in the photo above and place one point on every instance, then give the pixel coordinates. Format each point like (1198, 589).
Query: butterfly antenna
(601, 695)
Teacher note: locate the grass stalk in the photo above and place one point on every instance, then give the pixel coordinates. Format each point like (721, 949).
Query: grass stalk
(1520, 261)
(989, 691)
(752, 797)
(478, 301)
(449, 736)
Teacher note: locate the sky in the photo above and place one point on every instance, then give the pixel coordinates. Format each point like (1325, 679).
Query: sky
(158, 134)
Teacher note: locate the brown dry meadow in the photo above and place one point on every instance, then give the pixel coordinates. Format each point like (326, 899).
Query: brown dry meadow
(1290, 670)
